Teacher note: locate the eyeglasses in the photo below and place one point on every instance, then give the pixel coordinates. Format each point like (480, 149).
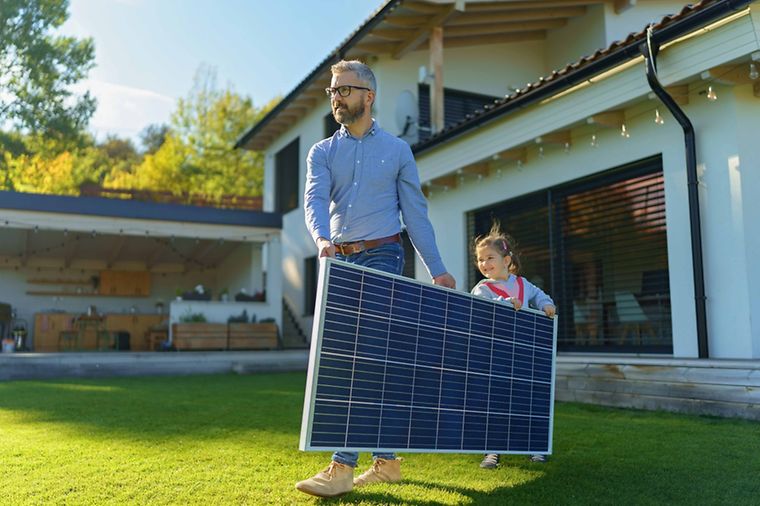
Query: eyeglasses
(344, 90)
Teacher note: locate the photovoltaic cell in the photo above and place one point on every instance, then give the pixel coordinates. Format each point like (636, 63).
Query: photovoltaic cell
(400, 365)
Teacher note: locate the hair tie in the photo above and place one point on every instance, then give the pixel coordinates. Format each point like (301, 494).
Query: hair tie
(504, 245)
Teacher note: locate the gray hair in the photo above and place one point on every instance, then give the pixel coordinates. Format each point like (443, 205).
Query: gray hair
(363, 72)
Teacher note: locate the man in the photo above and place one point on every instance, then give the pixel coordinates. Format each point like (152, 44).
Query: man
(358, 183)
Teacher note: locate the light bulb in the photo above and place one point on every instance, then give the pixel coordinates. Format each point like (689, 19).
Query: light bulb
(540, 151)
(593, 141)
(624, 131)
(567, 147)
(519, 163)
(658, 118)
(711, 95)
(753, 73)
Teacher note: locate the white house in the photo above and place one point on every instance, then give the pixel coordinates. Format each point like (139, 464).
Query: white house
(632, 198)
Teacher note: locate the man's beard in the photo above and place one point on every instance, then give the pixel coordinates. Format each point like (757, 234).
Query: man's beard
(346, 116)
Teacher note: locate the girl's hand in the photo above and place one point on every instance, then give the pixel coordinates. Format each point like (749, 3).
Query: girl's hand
(516, 303)
(550, 310)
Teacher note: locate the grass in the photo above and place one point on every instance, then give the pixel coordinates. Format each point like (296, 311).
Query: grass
(233, 440)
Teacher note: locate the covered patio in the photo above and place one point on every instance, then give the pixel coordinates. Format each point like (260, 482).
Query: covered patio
(93, 274)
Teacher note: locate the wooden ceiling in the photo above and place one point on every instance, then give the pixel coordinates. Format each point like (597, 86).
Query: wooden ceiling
(407, 28)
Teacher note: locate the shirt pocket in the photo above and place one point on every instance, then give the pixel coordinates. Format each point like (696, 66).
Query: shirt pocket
(380, 173)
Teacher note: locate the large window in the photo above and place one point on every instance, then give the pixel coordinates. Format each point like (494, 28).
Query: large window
(286, 172)
(456, 105)
(598, 247)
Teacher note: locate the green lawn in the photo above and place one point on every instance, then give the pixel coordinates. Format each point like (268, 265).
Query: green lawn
(233, 440)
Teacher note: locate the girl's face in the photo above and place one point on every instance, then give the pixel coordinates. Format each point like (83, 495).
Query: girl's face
(492, 264)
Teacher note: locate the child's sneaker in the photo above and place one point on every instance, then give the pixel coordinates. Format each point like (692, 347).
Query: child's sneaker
(490, 461)
(539, 458)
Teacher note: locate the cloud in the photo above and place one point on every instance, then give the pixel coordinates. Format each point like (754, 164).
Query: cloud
(124, 110)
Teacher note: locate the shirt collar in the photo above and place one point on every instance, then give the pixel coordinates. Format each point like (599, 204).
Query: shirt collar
(372, 130)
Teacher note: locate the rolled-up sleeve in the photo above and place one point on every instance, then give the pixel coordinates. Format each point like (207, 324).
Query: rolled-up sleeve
(316, 197)
(414, 212)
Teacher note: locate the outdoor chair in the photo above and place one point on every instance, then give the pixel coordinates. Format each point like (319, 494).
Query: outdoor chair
(634, 323)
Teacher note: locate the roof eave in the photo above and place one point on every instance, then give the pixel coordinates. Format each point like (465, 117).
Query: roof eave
(694, 21)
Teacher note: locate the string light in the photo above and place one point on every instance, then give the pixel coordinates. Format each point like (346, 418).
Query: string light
(753, 73)
(624, 131)
(567, 147)
(593, 141)
(540, 151)
(658, 118)
(711, 95)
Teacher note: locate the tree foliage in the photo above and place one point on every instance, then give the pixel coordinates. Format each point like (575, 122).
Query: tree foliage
(37, 68)
(197, 155)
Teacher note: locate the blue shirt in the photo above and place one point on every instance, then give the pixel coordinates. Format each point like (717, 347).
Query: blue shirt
(358, 189)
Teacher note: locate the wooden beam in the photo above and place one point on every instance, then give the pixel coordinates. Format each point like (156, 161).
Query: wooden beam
(500, 28)
(410, 21)
(559, 138)
(436, 90)
(482, 40)
(419, 36)
(512, 155)
(525, 15)
(392, 33)
(609, 119)
(377, 47)
(728, 74)
(446, 182)
(530, 4)
(477, 169)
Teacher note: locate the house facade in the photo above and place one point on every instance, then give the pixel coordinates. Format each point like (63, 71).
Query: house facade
(625, 169)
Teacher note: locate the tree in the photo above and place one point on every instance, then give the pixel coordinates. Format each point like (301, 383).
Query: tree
(152, 137)
(197, 155)
(37, 68)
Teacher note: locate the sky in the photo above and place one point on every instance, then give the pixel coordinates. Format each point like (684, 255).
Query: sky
(148, 51)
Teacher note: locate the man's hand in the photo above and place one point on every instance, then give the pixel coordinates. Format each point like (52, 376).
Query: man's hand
(446, 280)
(326, 248)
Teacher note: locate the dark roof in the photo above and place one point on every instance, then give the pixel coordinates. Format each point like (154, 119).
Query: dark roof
(117, 208)
(690, 18)
(669, 28)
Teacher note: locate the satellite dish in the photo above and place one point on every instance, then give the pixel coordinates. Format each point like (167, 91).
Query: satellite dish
(407, 116)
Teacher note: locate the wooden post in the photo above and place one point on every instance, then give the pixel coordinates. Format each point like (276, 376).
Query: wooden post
(436, 89)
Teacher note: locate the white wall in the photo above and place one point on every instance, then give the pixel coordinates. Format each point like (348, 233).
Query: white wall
(633, 20)
(580, 37)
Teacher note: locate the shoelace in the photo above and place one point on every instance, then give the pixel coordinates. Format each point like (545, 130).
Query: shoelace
(331, 469)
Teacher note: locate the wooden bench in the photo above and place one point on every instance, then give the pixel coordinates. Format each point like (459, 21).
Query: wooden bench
(222, 336)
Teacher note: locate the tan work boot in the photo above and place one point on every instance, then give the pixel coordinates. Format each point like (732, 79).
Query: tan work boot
(335, 479)
(382, 471)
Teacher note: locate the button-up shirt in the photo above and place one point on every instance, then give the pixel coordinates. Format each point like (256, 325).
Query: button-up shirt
(360, 188)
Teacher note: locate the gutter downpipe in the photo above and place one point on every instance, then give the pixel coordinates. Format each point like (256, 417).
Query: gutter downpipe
(649, 50)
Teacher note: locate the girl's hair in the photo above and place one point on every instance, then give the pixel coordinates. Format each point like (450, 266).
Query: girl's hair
(502, 243)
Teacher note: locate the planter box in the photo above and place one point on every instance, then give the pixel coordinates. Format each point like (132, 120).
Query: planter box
(222, 336)
(199, 336)
(252, 336)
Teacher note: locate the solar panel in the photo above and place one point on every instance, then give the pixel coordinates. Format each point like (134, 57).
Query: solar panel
(400, 365)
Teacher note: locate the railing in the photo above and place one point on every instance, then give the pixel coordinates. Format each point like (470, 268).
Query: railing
(223, 202)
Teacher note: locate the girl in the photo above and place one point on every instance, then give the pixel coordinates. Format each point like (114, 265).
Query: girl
(498, 261)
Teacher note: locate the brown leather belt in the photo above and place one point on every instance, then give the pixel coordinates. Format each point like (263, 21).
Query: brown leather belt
(349, 248)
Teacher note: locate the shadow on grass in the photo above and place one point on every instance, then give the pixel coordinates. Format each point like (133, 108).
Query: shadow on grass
(163, 407)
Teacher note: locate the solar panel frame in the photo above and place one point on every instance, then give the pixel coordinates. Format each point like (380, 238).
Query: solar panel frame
(320, 356)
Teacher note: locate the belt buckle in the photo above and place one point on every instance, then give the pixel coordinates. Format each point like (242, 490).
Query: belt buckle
(350, 248)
